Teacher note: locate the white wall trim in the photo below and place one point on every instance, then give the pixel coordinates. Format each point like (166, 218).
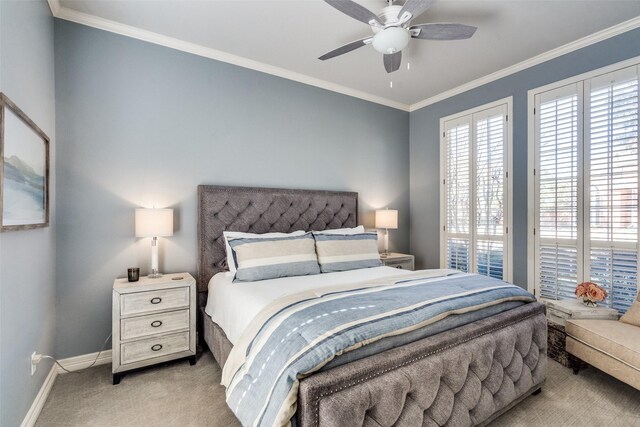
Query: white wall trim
(75, 363)
(65, 13)
(83, 361)
(631, 62)
(55, 6)
(38, 403)
(543, 57)
(531, 197)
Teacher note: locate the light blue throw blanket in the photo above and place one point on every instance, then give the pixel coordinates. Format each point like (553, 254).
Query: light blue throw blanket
(298, 336)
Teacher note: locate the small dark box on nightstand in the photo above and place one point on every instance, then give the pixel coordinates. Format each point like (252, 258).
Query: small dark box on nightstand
(556, 340)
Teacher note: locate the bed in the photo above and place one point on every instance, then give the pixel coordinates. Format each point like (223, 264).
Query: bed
(468, 374)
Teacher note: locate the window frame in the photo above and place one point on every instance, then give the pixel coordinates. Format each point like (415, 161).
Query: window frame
(583, 82)
(461, 117)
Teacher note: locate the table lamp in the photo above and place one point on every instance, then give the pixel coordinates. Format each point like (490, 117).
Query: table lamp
(387, 219)
(154, 223)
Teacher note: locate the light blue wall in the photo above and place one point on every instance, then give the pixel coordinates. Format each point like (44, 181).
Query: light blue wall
(27, 261)
(140, 124)
(425, 152)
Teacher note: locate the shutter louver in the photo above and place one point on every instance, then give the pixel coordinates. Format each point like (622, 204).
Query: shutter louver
(558, 272)
(557, 253)
(558, 176)
(458, 254)
(490, 208)
(458, 196)
(490, 256)
(617, 272)
(613, 189)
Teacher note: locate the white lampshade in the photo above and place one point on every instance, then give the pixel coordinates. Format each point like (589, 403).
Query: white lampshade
(387, 218)
(391, 40)
(154, 222)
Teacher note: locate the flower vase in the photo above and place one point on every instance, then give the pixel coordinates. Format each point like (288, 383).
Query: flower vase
(589, 303)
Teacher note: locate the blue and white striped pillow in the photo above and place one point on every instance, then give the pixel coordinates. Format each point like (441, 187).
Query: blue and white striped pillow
(270, 258)
(341, 252)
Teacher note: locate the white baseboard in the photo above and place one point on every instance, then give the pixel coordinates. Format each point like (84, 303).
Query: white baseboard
(34, 411)
(84, 361)
(75, 363)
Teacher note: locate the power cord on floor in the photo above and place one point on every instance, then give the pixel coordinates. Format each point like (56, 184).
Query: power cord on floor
(77, 371)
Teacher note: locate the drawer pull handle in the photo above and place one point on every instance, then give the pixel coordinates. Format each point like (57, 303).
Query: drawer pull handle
(156, 347)
(156, 323)
(156, 300)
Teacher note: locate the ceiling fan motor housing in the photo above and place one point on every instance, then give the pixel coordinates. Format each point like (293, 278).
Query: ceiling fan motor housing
(389, 16)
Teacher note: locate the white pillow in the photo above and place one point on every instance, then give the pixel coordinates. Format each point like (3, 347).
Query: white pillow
(344, 231)
(228, 235)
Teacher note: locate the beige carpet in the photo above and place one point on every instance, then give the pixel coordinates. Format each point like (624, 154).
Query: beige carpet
(183, 395)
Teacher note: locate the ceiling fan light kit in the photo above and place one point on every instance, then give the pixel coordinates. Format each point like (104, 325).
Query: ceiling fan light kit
(392, 30)
(391, 40)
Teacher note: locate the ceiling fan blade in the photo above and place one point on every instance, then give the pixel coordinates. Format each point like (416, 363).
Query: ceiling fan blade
(415, 7)
(392, 61)
(346, 48)
(354, 10)
(442, 31)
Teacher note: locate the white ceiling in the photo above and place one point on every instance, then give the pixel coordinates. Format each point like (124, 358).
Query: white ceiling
(291, 34)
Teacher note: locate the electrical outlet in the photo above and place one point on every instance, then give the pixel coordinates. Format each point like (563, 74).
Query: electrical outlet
(35, 359)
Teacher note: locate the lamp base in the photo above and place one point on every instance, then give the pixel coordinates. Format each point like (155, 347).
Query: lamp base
(154, 274)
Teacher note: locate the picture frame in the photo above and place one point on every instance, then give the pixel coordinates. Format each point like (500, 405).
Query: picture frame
(24, 170)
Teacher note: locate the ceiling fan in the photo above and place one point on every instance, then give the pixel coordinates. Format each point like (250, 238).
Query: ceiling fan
(392, 29)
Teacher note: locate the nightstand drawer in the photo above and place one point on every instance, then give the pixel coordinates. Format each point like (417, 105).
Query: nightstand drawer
(154, 347)
(397, 260)
(151, 324)
(150, 301)
(403, 265)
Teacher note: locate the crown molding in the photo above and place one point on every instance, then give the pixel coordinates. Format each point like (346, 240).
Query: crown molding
(67, 14)
(543, 57)
(55, 6)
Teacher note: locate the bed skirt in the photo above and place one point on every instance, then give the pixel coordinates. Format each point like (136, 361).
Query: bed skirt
(465, 376)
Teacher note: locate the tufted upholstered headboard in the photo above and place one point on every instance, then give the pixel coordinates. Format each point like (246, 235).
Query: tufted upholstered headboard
(263, 210)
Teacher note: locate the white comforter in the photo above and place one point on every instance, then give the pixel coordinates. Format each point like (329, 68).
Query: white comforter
(233, 305)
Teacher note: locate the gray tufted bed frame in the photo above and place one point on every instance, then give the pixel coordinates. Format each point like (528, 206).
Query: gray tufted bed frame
(466, 376)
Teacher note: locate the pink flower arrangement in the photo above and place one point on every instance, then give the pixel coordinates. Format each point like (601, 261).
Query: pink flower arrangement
(590, 293)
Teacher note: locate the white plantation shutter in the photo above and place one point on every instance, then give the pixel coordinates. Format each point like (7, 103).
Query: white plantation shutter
(458, 194)
(558, 218)
(612, 184)
(474, 167)
(587, 180)
(490, 167)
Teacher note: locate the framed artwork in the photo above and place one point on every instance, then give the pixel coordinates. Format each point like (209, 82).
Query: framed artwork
(24, 171)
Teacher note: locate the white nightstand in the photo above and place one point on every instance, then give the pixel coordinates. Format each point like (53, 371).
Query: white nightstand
(402, 261)
(154, 321)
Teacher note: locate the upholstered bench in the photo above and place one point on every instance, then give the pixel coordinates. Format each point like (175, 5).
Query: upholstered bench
(613, 346)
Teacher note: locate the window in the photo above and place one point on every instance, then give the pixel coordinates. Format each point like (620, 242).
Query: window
(586, 186)
(475, 216)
